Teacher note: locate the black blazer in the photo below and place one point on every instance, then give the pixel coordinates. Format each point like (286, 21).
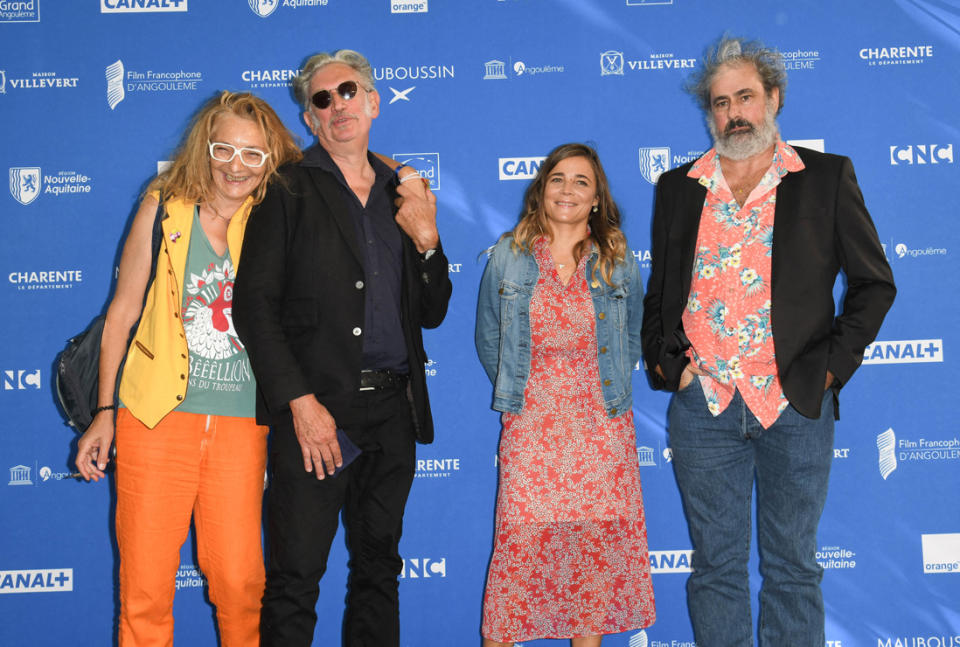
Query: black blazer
(299, 298)
(821, 226)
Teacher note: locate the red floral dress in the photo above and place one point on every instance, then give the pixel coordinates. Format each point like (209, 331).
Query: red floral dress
(570, 555)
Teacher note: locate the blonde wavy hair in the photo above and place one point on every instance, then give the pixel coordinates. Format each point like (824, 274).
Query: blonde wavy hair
(188, 176)
(604, 223)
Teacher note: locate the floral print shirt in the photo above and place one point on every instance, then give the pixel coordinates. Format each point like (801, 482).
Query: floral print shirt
(727, 318)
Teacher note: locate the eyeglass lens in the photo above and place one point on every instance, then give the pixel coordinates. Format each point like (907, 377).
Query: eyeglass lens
(322, 99)
(225, 153)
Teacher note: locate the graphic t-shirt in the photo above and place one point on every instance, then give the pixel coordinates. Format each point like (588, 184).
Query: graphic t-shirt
(221, 380)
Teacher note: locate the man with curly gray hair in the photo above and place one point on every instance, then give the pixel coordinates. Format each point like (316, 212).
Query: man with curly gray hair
(740, 322)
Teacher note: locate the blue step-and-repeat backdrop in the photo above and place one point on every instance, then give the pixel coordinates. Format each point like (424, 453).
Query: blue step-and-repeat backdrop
(94, 94)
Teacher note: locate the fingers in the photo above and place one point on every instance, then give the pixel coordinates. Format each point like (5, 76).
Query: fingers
(87, 452)
(330, 453)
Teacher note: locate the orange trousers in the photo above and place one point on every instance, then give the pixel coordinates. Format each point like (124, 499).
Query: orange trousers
(210, 467)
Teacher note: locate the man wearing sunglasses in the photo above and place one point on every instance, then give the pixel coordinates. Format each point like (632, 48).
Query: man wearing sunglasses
(336, 286)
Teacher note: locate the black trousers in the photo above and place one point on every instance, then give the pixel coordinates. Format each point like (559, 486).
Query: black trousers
(303, 514)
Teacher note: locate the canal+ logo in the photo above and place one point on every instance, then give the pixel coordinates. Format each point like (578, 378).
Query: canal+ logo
(519, 168)
(45, 580)
(908, 351)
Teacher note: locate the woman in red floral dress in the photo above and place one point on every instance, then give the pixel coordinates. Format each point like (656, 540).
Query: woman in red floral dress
(558, 328)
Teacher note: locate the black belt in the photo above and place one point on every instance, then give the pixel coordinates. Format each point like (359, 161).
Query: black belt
(381, 379)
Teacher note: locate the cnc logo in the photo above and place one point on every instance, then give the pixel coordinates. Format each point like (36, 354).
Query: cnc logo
(46, 580)
(654, 162)
(21, 379)
(141, 6)
(611, 63)
(426, 164)
(921, 154)
(519, 168)
(25, 183)
(423, 568)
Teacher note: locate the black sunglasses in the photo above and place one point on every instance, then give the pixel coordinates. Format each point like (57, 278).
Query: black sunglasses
(322, 98)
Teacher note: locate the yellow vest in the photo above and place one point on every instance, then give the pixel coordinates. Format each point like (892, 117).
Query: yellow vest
(155, 374)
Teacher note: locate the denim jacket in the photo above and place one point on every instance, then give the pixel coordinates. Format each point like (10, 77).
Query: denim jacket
(503, 327)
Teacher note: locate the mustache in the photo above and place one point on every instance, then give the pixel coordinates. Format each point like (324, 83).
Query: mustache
(738, 123)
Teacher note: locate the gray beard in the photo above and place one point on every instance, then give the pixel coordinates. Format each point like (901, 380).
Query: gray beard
(741, 146)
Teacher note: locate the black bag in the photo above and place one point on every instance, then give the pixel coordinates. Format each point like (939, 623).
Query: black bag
(78, 366)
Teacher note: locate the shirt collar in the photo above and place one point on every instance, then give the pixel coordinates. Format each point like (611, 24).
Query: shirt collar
(317, 156)
(785, 160)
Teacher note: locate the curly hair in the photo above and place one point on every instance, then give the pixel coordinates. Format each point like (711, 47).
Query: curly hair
(189, 176)
(730, 50)
(605, 234)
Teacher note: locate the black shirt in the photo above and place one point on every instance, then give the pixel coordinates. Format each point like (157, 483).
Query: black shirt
(382, 248)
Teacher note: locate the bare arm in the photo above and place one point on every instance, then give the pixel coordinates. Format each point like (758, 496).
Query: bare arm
(122, 314)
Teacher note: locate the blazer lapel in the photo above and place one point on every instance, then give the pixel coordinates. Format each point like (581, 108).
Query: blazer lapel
(689, 226)
(329, 191)
(784, 216)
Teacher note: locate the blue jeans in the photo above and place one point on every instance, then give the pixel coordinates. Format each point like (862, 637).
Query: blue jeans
(716, 460)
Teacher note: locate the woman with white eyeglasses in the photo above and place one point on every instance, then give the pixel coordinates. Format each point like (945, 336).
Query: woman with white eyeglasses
(187, 444)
